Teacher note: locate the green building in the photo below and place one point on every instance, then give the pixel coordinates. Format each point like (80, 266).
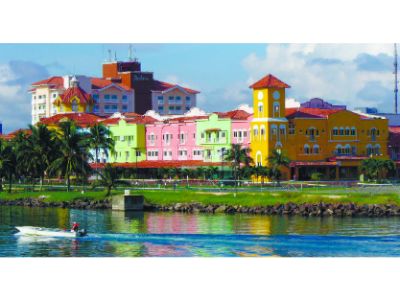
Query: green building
(129, 136)
(214, 135)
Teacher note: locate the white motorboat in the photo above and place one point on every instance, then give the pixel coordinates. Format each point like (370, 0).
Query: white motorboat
(39, 231)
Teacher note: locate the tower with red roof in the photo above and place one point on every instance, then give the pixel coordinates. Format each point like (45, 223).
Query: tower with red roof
(269, 125)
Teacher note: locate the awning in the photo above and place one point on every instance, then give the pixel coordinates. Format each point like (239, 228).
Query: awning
(312, 163)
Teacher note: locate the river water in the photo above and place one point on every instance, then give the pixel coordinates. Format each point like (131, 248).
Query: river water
(149, 234)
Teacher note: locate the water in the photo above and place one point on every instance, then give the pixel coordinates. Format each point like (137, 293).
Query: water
(148, 234)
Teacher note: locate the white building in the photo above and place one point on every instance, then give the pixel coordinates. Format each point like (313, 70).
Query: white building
(169, 99)
(109, 97)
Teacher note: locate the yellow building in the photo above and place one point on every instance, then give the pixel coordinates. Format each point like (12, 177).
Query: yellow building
(317, 137)
(74, 99)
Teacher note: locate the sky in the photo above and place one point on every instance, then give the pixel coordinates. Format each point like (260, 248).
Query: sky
(352, 74)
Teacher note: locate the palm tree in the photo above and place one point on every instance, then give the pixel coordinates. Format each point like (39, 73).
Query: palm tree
(109, 178)
(100, 139)
(278, 160)
(73, 153)
(37, 151)
(238, 156)
(201, 172)
(7, 163)
(211, 172)
(377, 169)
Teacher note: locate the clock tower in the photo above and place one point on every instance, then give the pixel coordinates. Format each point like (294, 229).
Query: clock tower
(269, 125)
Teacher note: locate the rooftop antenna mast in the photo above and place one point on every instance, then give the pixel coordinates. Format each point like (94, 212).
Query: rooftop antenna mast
(130, 53)
(109, 55)
(395, 79)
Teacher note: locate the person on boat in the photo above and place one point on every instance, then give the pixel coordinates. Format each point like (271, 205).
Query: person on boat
(75, 227)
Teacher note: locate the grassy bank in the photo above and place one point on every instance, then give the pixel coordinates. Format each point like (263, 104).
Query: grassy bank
(250, 199)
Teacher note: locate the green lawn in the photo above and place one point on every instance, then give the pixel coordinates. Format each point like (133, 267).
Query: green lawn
(168, 197)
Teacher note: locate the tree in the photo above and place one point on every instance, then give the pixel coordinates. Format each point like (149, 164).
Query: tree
(7, 163)
(278, 160)
(262, 172)
(201, 172)
(109, 178)
(37, 151)
(377, 168)
(100, 139)
(73, 153)
(211, 171)
(237, 156)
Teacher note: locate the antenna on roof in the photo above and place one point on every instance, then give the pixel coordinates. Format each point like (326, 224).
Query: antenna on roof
(109, 55)
(130, 53)
(395, 79)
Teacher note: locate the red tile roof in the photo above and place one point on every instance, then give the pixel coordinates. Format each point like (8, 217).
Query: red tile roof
(75, 91)
(303, 112)
(134, 120)
(184, 119)
(269, 81)
(162, 86)
(56, 82)
(13, 134)
(394, 129)
(99, 83)
(155, 164)
(80, 119)
(236, 114)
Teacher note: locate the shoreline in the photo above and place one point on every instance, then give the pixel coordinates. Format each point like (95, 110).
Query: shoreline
(321, 209)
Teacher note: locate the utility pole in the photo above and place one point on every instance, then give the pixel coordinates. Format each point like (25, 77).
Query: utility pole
(395, 79)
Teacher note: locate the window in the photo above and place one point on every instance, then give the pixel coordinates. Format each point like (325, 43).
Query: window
(255, 131)
(124, 107)
(114, 107)
(95, 98)
(54, 95)
(182, 138)
(341, 131)
(347, 131)
(274, 131)
(187, 107)
(96, 108)
(197, 153)
(171, 98)
(107, 97)
(124, 98)
(182, 152)
(161, 108)
(315, 149)
(262, 131)
(160, 98)
(353, 150)
(353, 131)
(377, 149)
(335, 131)
(138, 153)
(292, 128)
(276, 109)
(167, 137)
(282, 130)
(114, 97)
(178, 107)
(260, 107)
(74, 106)
(306, 149)
(152, 153)
(126, 155)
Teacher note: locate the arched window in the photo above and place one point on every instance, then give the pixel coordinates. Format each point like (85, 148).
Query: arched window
(315, 149)
(311, 132)
(347, 131)
(339, 149)
(369, 149)
(347, 149)
(74, 105)
(335, 131)
(282, 130)
(274, 131)
(341, 131)
(255, 131)
(260, 108)
(306, 149)
(262, 131)
(276, 109)
(353, 131)
(377, 149)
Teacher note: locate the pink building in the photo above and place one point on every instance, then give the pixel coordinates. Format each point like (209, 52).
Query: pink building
(173, 139)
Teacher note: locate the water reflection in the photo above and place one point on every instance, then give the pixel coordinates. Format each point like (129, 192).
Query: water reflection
(114, 233)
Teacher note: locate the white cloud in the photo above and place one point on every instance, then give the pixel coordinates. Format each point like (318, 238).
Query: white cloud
(329, 71)
(291, 102)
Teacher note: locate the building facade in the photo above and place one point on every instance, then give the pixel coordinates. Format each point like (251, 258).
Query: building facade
(321, 138)
(108, 97)
(150, 94)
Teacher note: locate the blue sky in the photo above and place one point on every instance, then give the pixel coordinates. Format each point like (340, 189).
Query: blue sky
(352, 74)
